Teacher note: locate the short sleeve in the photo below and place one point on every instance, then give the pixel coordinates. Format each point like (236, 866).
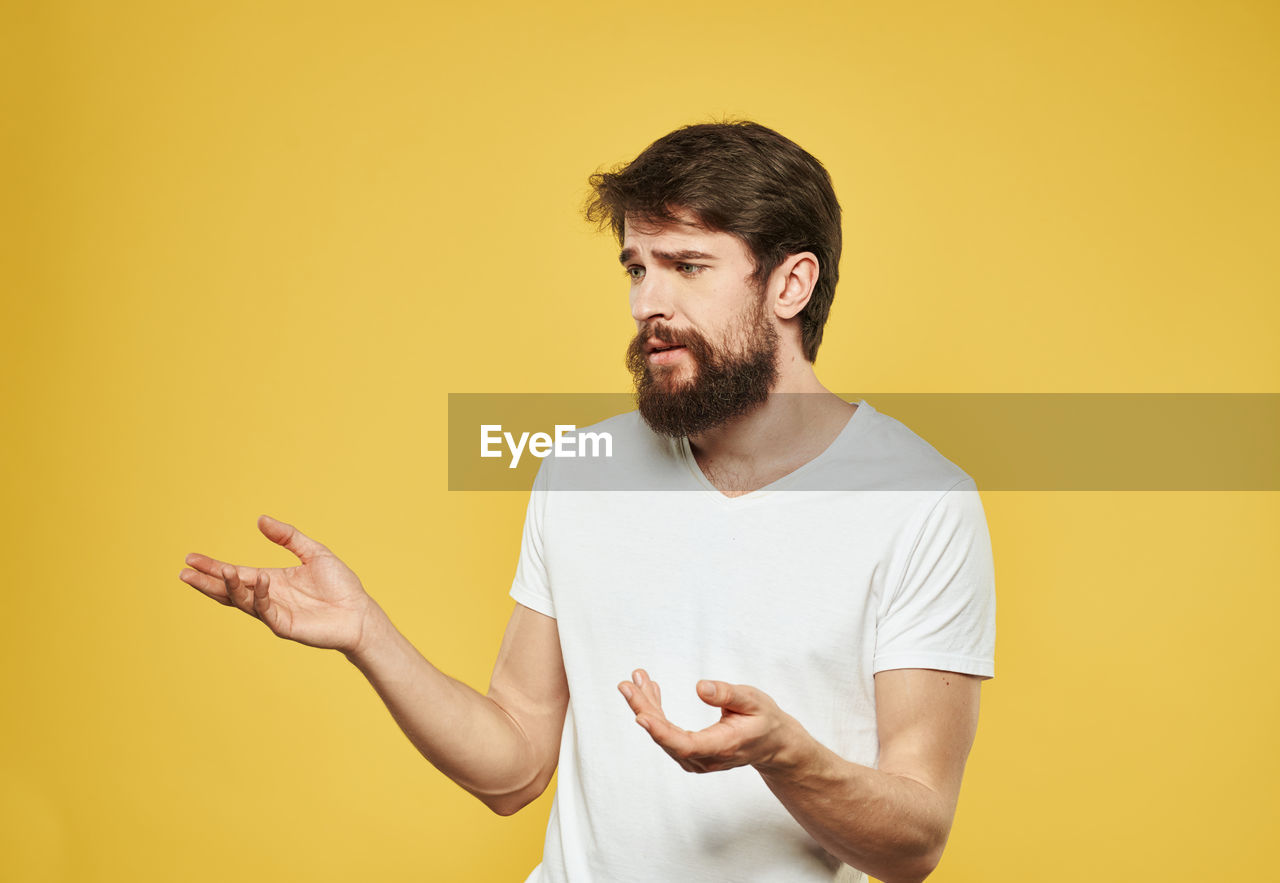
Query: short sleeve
(942, 615)
(532, 584)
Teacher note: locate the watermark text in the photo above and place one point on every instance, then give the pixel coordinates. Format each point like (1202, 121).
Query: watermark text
(566, 442)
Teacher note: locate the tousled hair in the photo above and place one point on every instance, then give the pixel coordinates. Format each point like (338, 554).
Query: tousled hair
(741, 178)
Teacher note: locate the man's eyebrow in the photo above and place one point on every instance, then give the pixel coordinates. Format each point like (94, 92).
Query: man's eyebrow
(688, 254)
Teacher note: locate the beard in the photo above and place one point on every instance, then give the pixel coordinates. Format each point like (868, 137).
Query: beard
(725, 384)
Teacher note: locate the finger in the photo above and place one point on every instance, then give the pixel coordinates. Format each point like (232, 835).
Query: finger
(718, 747)
(262, 606)
(207, 585)
(240, 596)
(291, 538)
(641, 694)
(735, 697)
(639, 699)
(648, 686)
(205, 564)
(675, 741)
(215, 568)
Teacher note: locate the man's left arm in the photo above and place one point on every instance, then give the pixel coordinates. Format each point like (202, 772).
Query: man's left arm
(892, 821)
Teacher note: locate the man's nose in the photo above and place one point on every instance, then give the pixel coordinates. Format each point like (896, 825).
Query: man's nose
(651, 299)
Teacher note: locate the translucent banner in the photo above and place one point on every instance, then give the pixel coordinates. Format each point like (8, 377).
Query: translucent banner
(1005, 441)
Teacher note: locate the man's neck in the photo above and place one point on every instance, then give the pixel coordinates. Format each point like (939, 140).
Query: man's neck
(799, 420)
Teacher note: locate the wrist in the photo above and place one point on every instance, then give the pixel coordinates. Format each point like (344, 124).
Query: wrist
(375, 626)
(796, 751)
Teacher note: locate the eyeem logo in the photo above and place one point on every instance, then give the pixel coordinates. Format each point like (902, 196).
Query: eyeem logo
(567, 442)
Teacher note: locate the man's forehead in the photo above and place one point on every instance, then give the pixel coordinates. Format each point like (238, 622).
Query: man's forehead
(684, 231)
(681, 220)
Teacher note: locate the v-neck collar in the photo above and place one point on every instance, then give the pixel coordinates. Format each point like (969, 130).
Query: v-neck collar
(851, 427)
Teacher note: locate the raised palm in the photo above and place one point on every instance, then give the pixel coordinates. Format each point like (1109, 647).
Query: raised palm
(319, 602)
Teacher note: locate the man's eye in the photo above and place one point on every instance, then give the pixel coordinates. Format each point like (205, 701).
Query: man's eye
(635, 274)
(689, 269)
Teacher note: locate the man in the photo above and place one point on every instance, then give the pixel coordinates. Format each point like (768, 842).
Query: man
(824, 561)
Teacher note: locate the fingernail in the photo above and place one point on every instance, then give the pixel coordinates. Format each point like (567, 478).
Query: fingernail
(706, 688)
(626, 690)
(638, 678)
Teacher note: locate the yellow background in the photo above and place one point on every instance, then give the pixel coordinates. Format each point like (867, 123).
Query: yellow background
(249, 249)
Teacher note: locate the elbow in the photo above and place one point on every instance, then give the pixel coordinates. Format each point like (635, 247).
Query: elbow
(512, 802)
(909, 875)
(912, 861)
(505, 806)
(917, 867)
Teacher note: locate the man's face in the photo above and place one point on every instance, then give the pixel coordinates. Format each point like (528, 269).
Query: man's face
(706, 347)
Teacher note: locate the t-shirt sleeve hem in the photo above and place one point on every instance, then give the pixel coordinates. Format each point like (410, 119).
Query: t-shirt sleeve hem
(969, 665)
(540, 603)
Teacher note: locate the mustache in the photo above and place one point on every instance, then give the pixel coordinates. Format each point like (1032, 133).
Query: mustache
(659, 331)
(638, 364)
(695, 341)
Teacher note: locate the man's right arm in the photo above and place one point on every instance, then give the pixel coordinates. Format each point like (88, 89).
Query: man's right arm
(502, 747)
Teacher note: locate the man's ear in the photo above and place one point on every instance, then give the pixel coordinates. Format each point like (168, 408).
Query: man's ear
(793, 281)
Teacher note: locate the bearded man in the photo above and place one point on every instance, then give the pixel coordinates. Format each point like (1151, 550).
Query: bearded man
(828, 568)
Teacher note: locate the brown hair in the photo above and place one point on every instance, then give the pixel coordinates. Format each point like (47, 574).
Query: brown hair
(740, 178)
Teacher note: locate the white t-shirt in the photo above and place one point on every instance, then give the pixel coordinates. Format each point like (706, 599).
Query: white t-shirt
(874, 555)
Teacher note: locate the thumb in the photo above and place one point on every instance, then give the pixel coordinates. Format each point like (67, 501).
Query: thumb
(722, 695)
(290, 537)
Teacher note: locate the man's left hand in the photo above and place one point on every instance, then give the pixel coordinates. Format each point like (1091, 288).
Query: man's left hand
(752, 730)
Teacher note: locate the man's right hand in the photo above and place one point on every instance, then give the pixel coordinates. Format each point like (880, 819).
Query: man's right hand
(502, 747)
(320, 602)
